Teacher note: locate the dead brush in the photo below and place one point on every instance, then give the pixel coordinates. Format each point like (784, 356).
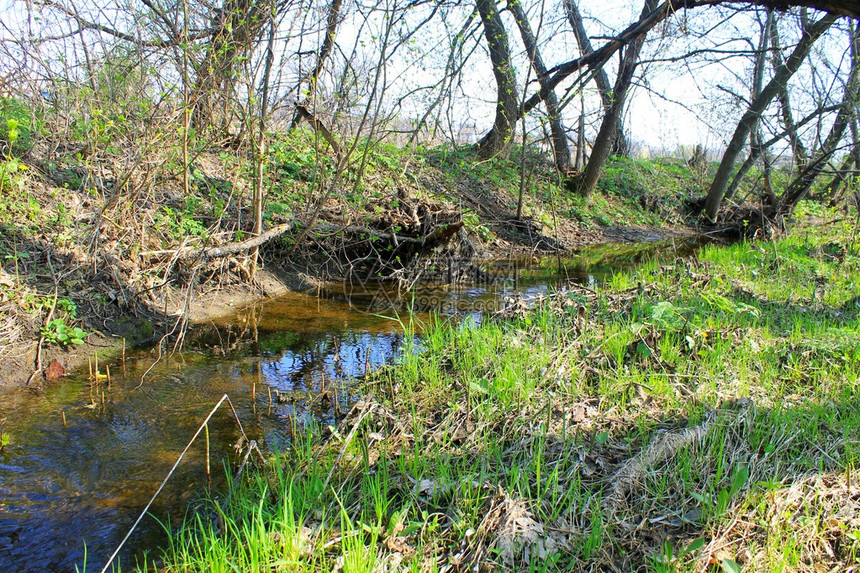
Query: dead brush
(821, 512)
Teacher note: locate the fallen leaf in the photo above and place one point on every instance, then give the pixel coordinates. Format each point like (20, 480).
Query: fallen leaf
(54, 371)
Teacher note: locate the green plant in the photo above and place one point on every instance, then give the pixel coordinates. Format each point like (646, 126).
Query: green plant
(178, 224)
(67, 306)
(20, 122)
(10, 168)
(58, 332)
(669, 559)
(717, 507)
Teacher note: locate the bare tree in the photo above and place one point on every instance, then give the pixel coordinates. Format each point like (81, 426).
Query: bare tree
(324, 52)
(799, 188)
(757, 84)
(561, 150)
(757, 106)
(601, 78)
(797, 146)
(611, 120)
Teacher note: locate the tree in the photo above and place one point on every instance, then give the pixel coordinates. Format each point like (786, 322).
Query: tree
(799, 188)
(611, 120)
(758, 82)
(561, 150)
(757, 106)
(798, 148)
(601, 78)
(324, 53)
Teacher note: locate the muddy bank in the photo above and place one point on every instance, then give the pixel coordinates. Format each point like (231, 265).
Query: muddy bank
(125, 330)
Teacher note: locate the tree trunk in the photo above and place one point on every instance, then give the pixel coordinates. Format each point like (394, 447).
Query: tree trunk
(609, 126)
(833, 190)
(561, 150)
(755, 132)
(758, 105)
(580, 142)
(325, 51)
(604, 88)
(498, 140)
(260, 147)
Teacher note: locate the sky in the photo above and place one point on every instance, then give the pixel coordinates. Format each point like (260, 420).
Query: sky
(676, 104)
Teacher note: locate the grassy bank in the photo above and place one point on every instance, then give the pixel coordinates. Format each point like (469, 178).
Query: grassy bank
(693, 416)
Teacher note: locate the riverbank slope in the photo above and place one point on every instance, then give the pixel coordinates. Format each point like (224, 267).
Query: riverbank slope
(684, 417)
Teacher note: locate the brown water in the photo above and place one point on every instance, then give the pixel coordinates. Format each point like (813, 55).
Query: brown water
(70, 491)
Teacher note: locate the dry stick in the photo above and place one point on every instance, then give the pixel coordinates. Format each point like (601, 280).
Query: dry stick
(164, 482)
(208, 472)
(181, 323)
(252, 447)
(236, 417)
(321, 128)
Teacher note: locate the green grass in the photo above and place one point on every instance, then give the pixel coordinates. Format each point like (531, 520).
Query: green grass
(680, 418)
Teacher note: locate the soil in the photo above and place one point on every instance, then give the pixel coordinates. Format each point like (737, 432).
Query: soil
(18, 362)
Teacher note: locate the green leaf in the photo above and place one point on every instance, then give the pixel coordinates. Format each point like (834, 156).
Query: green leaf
(739, 480)
(731, 566)
(481, 387)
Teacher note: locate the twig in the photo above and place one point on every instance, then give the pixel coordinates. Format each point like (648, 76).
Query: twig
(164, 482)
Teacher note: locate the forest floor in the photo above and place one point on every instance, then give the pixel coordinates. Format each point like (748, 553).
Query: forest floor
(87, 269)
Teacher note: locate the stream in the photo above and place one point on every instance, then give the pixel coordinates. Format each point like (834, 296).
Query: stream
(83, 461)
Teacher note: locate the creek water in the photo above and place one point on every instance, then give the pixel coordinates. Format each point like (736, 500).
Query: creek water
(83, 461)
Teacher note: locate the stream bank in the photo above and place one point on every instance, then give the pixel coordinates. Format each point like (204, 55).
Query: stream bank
(691, 415)
(117, 265)
(90, 453)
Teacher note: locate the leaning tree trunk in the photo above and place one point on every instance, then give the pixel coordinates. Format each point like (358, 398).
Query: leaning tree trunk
(498, 140)
(604, 88)
(561, 150)
(833, 190)
(758, 105)
(324, 53)
(609, 127)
